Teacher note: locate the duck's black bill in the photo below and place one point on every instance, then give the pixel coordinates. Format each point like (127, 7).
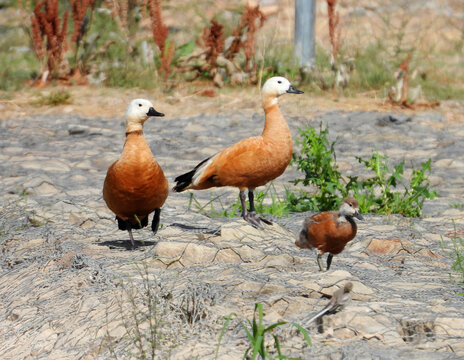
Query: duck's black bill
(292, 90)
(153, 112)
(358, 215)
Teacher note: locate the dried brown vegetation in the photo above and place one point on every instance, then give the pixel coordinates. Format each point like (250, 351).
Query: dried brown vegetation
(334, 30)
(79, 9)
(49, 38)
(221, 62)
(160, 37)
(401, 94)
(252, 20)
(213, 42)
(120, 10)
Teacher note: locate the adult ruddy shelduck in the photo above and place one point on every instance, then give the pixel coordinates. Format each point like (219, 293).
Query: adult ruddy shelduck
(135, 185)
(253, 161)
(330, 231)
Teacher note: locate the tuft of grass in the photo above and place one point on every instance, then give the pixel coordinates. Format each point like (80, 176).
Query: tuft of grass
(215, 207)
(256, 334)
(55, 98)
(146, 313)
(459, 206)
(378, 193)
(455, 250)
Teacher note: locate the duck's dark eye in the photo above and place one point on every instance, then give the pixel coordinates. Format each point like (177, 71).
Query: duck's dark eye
(140, 105)
(350, 204)
(280, 82)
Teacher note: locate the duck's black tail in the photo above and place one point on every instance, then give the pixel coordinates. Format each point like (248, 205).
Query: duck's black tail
(122, 224)
(184, 180)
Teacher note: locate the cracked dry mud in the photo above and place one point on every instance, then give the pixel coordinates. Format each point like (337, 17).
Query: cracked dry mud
(67, 273)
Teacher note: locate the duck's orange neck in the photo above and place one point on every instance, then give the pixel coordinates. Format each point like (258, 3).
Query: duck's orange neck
(275, 125)
(134, 132)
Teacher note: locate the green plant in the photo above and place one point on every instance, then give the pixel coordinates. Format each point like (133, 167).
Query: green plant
(456, 252)
(459, 206)
(215, 207)
(55, 98)
(408, 202)
(317, 161)
(256, 334)
(376, 193)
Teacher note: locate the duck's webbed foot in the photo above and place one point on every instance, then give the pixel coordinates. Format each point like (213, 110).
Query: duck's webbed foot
(255, 220)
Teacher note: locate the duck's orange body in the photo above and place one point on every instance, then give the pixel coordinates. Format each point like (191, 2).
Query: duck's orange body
(253, 161)
(135, 184)
(330, 231)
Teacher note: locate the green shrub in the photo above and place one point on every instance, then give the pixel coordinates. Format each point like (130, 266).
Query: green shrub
(377, 193)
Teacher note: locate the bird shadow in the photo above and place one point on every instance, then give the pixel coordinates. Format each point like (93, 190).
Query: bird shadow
(194, 228)
(126, 244)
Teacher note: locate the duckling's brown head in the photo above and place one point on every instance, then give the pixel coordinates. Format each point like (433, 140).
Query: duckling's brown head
(350, 208)
(138, 111)
(274, 87)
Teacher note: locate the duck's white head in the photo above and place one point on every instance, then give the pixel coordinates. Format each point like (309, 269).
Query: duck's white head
(350, 208)
(276, 86)
(137, 112)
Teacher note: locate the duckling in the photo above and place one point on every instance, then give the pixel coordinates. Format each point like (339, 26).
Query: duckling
(253, 161)
(330, 231)
(135, 185)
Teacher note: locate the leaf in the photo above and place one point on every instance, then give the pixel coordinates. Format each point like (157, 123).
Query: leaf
(224, 327)
(304, 332)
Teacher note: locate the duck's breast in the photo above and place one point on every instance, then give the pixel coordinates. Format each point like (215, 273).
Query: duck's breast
(135, 184)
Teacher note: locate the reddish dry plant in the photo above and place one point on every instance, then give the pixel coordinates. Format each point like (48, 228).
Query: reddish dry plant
(213, 42)
(160, 36)
(79, 9)
(404, 101)
(334, 30)
(160, 31)
(404, 91)
(46, 25)
(252, 20)
(119, 10)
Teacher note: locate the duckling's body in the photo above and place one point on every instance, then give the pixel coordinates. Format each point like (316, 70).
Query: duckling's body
(135, 185)
(253, 161)
(330, 231)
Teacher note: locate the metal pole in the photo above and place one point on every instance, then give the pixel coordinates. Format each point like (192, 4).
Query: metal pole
(303, 43)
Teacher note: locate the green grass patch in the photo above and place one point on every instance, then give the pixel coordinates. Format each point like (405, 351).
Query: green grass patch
(267, 201)
(455, 249)
(55, 98)
(256, 332)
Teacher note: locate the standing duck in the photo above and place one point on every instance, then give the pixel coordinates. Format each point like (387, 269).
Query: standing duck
(253, 161)
(135, 185)
(330, 231)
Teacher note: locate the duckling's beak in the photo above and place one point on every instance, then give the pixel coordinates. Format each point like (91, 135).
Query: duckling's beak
(153, 112)
(292, 90)
(358, 215)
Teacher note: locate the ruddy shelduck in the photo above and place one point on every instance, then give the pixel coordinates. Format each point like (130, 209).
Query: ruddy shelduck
(135, 185)
(253, 161)
(330, 231)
